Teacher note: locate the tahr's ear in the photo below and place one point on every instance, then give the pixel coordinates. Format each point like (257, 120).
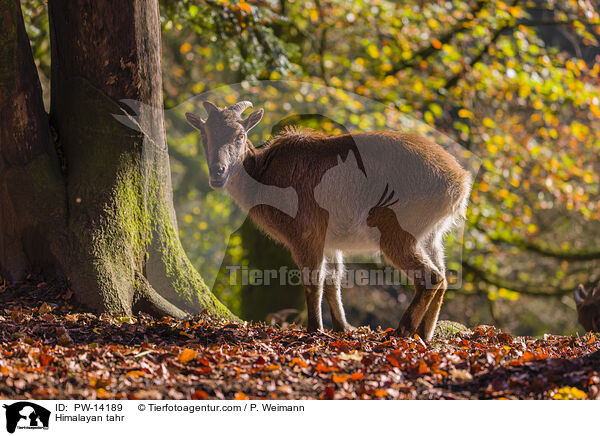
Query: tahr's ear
(253, 119)
(194, 120)
(210, 107)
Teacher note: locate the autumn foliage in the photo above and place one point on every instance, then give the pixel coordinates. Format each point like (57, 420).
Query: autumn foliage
(49, 350)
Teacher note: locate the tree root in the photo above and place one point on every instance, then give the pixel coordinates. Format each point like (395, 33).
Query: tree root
(149, 301)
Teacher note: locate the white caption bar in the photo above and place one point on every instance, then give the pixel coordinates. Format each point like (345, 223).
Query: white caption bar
(22, 417)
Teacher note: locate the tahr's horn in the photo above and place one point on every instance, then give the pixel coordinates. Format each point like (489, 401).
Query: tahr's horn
(240, 107)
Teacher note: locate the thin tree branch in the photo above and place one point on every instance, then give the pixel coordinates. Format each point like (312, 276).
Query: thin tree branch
(450, 83)
(527, 289)
(543, 251)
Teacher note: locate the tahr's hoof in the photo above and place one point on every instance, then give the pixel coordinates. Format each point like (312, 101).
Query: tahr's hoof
(400, 332)
(403, 332)
(346, 328)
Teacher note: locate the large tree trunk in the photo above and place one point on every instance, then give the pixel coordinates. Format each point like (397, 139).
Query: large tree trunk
(32, 195)
(104, 206)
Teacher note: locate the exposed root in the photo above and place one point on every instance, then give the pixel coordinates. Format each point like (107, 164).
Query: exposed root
(149, 301)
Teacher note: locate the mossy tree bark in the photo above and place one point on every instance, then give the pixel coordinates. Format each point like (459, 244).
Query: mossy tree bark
(97, 207)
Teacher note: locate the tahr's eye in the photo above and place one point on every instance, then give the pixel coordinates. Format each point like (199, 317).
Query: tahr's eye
(240, 137)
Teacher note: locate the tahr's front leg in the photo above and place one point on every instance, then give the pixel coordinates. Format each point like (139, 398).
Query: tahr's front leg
(314, 296)
(312, 266)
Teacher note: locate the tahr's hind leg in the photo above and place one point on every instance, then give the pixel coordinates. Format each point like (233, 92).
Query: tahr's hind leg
(427, 326)
(402, 251)
(333, 293)
(435, 248)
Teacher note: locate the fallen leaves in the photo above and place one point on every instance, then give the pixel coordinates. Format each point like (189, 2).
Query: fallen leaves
(45, 359)
(299, 361)
(49, 351)
(340, 378)
(44, 308)
(357, 376)
(186, 355)
(199, 395)
(460, 375)
(355, 355)
(240, 396)
(569, 393)
(63, 338)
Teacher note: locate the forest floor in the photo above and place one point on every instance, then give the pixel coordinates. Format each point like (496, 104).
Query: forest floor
(51, 349)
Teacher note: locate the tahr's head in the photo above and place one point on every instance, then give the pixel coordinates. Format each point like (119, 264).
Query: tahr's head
(224, 137)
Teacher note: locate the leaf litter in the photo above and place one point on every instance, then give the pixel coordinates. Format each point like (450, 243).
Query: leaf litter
(50, 348)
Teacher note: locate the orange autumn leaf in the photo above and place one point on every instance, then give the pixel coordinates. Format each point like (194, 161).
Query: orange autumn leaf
(527, 356)
(357, 376)
(199, 395)
(136, 373)
(272, 367)
(241, 396)
(436, 44)
(380, 393)
(186, 355)
(45, 359)
(393, 361)
(340, 378)
(299, 361)
(102, 394)
(322, 367)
